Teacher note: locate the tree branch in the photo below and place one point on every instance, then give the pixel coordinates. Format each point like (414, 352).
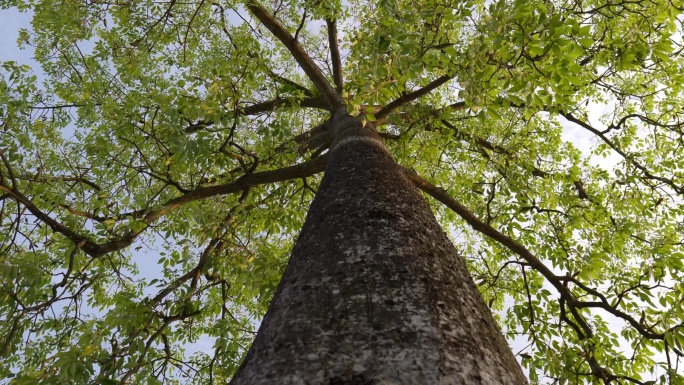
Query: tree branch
(335, 54)
(298, 171)
(557, 281)
(262, 107)
(411, 96)
(630, 159)
(442, 196)
(294, 84)
(580, 326)
(310, 68)
(96, 250)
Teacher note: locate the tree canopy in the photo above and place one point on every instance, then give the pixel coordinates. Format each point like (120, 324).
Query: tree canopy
(157, 166)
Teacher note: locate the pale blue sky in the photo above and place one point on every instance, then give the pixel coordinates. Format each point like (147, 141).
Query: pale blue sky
(10, 22)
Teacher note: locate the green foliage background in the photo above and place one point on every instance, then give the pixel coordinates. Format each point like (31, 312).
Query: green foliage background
(171, 131)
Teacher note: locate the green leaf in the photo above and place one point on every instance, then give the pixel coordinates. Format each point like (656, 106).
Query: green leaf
(586, 42)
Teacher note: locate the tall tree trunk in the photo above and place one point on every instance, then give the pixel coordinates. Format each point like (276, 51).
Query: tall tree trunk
(374, 292)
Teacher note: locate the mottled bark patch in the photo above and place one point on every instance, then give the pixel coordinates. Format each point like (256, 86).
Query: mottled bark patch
(354, 379)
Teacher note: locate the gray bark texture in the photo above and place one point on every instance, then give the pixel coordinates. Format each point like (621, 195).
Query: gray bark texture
(375, 292)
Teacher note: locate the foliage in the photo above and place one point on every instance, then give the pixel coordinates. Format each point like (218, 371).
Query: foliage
(188, 134)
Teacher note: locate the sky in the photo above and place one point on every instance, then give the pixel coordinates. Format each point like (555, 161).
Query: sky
(10, 22)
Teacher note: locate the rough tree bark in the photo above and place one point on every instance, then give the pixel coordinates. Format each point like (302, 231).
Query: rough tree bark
(374, 292)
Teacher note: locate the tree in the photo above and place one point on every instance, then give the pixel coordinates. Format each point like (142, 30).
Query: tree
(374, 291)
(195, 134)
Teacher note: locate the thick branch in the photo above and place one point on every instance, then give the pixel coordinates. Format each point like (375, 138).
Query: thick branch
(311, 139)
(581, 326)
(557, 281)
(303, 170)
(95, 250)
(294, 84)
(335, 54)
(48, 220)
(442, 196)
(319, 135)
(310, 68)
(259, 108)
(411, 96)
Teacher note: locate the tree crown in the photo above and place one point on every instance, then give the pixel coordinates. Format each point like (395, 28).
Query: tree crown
(157, 165)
